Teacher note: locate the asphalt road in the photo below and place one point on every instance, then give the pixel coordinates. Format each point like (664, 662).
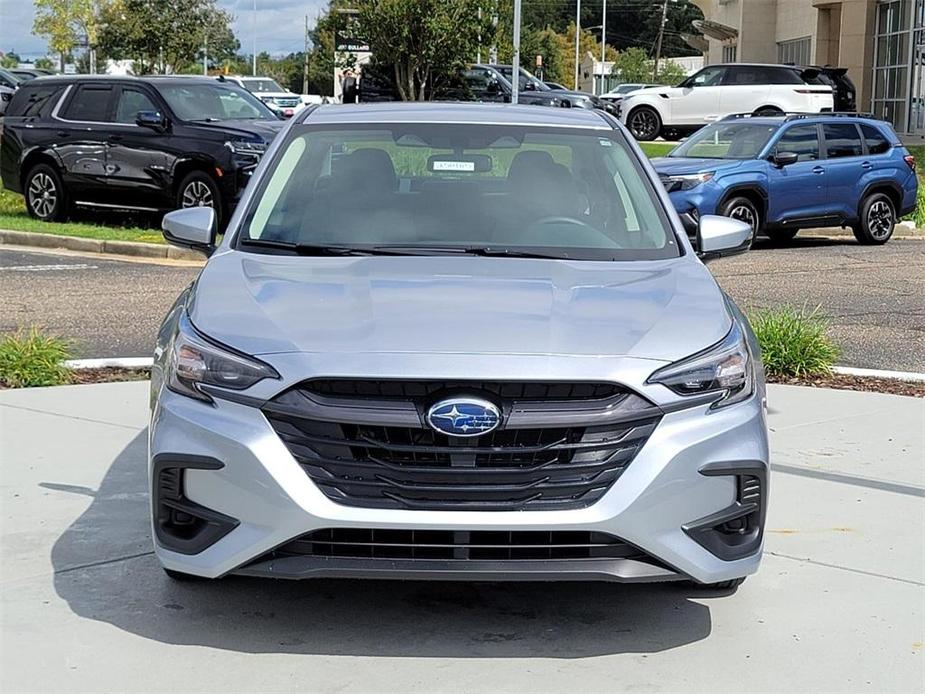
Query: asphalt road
(874, 295)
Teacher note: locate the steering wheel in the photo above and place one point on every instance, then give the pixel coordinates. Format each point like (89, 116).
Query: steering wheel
(593, 237)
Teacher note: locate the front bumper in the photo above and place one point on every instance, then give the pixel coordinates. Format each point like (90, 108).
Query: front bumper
(658, 505)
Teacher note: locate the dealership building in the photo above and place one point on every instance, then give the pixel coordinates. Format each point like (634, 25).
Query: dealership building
(880, 42)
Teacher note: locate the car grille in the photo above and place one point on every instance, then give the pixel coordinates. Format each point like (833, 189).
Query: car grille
(563, 455)
(475, 545)
(285, 102)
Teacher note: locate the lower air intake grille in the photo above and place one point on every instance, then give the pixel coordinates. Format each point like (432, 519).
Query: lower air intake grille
(485, 545)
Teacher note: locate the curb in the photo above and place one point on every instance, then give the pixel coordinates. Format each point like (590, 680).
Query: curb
(880, 373)
(135, 249)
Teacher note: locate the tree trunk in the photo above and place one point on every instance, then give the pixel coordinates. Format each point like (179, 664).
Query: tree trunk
(61, 61)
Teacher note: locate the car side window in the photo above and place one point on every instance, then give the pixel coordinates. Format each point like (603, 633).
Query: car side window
(37, 101)
(708, 77)
(738, 75)
(841, 140)
(131, 101)
(876, 142)
(89, 103)
(802, 140)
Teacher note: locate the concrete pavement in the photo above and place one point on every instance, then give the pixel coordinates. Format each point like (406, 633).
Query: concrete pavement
(839, 604)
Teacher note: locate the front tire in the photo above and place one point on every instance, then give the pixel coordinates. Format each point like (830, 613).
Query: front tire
(644, 123)
(744, 210)
(878, 219)
(199, 189)
(44, 192)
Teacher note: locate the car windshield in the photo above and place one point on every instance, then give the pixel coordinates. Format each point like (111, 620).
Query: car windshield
(213, 102)
(264, 85)
(451, 188)
(734, 140)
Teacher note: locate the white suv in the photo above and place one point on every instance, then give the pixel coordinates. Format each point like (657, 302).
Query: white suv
(719, 90)
(268, 90)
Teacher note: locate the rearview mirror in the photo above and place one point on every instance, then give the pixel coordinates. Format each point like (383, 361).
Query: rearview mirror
(150, 119)
(721, 236)
(782, 159)
(191, 227)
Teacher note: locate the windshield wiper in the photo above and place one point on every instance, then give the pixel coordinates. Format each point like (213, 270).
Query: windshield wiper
(309, 249)
(210, 119)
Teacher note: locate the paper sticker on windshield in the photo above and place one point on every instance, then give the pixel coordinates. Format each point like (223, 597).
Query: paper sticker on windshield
(454, 166)
(605, 142)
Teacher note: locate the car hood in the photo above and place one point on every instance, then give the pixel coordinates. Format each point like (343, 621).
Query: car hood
(262, 304)
(267, 129)
(671, 166)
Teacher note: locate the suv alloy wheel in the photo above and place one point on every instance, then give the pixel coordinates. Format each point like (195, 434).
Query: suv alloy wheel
(45, 196)
(645, 123)
(744, 210)
(878, 219)
(197, 189)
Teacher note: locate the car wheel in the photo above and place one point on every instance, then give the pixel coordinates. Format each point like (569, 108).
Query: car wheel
(644, 123)
(198, 189)
(768, 111)
(731, 584)
(781, 236)
(744, 210)
(878, 219)
(45, 195)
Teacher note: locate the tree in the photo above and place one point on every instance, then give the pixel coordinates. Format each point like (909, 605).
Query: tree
(10, 59)
(167, 36)
(425, 41)
(64, 23)
(44, 64)
(634, 65)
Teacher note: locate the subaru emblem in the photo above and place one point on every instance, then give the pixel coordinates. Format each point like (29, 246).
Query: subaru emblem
(463, 417)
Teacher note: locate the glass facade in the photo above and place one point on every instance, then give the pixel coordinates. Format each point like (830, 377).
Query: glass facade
(796, 51)
(899, 64)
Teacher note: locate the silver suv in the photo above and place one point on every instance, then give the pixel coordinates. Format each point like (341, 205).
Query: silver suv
(457, 341)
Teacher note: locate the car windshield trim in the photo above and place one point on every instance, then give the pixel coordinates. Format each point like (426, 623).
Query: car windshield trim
(643, 193)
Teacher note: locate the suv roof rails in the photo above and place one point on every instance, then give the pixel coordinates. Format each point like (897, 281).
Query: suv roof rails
(798, 115)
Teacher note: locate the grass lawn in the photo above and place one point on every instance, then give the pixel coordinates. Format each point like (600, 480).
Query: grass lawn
(657, 149)
(109, 226)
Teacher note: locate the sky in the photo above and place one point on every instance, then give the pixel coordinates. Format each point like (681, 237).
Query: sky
(280, 25)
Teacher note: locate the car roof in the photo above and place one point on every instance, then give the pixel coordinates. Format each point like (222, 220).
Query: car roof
(805, 118)
(456, 112)
(71, 79)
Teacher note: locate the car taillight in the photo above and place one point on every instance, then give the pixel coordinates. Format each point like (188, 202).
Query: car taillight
(910, 160)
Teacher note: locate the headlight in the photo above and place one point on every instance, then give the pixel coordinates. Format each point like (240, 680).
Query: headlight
(247, 147)
(687, 181)
(726, 368)
(195, 362)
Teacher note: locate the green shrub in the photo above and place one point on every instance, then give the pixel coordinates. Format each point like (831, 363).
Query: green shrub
(794, 342)
(918, 214)
(31, 358)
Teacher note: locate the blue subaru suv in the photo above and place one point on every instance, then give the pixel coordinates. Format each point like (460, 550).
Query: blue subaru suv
(783, 173)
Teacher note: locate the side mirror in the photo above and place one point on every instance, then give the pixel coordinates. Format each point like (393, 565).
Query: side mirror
(782, 159)
(150, 119)
(191, 227)
(529, 86)
(493, 87)
(721, 236)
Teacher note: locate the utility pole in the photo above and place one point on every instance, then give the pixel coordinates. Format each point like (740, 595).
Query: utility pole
(658, 45)
(603, 44)
(515, 76)
(205, 55)
(577, 38)
(305, 60)
(493, 51)
(254, 47)
(478, 52)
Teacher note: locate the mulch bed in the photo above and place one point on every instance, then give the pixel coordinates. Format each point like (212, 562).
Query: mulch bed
(110, 375)
(863, 383)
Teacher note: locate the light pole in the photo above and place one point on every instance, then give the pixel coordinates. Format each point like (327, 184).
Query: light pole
(577, 38)
(254, 28)
(515, 74)
(603, 44)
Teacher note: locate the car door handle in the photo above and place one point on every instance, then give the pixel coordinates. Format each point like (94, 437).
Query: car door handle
(866, 165)
(818, 170)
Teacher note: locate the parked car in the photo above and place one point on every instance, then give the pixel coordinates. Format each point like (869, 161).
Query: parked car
(780, 174)
(269, 92)
(24, 74)
(718, 90)
(476, 83)
(570, 97)
(616, 95)
(843, 90)
(461, 341)
(153, 143)
(8, 85)
(556, 86)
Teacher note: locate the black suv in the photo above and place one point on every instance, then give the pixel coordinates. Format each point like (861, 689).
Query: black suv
(151, 143)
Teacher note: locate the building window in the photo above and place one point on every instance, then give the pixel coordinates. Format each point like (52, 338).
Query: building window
(729, 53)
(892, 60)
(796, 51)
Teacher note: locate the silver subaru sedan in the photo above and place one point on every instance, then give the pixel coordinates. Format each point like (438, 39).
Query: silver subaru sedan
(457, 341)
